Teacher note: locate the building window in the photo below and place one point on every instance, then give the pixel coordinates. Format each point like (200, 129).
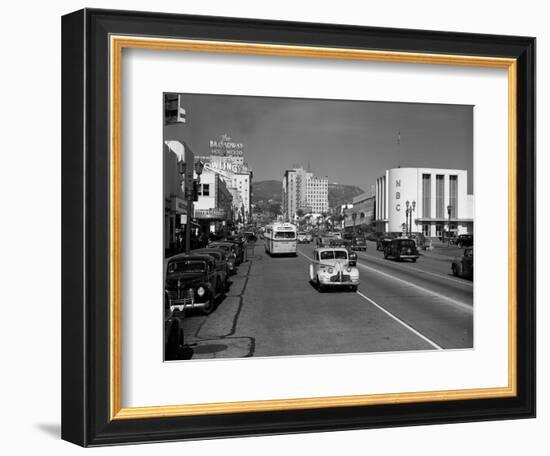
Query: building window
(453, 192)
(426, 195)
(439, 229)
(426, 229)
(440, 196)
(205, 189)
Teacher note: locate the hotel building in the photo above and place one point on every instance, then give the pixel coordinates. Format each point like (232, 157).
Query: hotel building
(303, 191)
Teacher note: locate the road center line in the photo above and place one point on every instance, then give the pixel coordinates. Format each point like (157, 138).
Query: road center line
(451, 301)
(389, 314)
(444, 298)
(401, 322)
(404, 268)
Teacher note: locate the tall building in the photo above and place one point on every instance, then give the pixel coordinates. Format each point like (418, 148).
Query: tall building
(303, 191)
(439, 197)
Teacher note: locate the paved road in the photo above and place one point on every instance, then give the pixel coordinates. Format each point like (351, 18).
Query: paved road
(272, 309)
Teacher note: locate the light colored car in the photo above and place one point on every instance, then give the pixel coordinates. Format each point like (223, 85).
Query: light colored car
(331, 268)
(302, 237)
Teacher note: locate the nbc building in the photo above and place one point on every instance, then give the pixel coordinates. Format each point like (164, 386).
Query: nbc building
(436, 200)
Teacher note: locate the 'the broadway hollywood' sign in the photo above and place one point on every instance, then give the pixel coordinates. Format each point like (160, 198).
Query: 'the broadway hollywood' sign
(226, 147)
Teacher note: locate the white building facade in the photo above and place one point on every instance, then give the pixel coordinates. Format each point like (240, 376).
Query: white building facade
(303, 191)
(438, 199)
(227, 160)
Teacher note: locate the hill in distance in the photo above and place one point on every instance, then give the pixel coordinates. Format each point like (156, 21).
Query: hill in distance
(338, 194)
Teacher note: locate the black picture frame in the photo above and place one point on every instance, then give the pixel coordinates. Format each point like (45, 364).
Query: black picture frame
(86, 415)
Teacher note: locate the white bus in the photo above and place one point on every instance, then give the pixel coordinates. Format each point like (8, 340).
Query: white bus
(280, 238)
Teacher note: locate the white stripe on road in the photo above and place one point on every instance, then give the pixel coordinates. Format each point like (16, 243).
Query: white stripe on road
(401, 322)
(451, 301)
(389, 314)
(462, 282)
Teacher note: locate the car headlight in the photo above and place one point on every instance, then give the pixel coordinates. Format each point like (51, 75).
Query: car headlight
(348, 269)
(330, 270)
(201, 291)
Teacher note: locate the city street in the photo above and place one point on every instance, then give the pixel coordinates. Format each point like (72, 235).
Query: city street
(272, 309)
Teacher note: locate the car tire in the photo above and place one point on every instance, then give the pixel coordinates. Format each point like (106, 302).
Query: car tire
(209, 308)
(455, 271)
(414, 260)
(354, 288)
(320, 287)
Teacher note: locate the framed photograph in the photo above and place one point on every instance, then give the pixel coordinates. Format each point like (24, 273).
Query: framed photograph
(269, 227)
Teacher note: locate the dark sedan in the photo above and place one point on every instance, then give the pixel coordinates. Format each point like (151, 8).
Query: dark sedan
(222, 264)
(192, 282)
(401, 249)
(230, 248)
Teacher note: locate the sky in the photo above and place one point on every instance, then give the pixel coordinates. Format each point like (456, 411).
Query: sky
(351, 142)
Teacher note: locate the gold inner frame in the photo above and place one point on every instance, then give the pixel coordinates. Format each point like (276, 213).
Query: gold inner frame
(117, 44)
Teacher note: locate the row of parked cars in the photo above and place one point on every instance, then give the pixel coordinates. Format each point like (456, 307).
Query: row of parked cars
(198, 281)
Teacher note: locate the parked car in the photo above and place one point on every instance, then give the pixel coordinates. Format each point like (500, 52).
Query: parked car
(174, 339)
(383, 241)
(240, 244)
(192, 282)
(222, 266)
(401, 249)
(250, 236)
(231, 250)
(332, 267)
(463, 266)
(465, 240)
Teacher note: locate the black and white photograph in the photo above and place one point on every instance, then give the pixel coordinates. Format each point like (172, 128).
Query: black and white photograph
(316, 226)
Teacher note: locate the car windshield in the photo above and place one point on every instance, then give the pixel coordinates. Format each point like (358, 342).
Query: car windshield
(407, 243)
(186, 266)
(221, 246)
(334, 255)
(284, 235)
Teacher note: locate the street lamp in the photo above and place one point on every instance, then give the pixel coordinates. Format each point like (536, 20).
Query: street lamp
(407, 210)
(412, 210)
(449, 210)
(190, 195)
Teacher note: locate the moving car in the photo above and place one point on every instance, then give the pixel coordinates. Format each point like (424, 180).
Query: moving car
(359, 243)
(401, 249)
(465, 240)
(303, 238)
(383, 241)
(192, 282)
(464, 266)
(331, 267)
